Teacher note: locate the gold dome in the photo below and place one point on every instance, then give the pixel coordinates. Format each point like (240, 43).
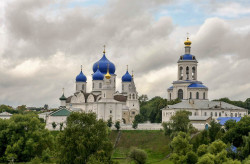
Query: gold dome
(187, 42)
(108, 76)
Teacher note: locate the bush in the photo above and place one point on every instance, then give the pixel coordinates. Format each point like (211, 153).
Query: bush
(117, 125)
(138, 156)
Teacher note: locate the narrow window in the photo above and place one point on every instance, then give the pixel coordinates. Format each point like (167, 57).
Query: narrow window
(100, 85)
(190, 96)
(197, 95)
(204, 95)
(180, 94)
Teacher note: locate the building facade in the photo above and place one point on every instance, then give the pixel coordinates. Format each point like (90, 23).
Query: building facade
(187, 85)
(103, 99)
(194, 95)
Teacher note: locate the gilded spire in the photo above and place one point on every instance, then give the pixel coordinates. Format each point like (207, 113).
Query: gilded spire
(187, 42)
(132, 73)
(81, 67)
(104, 49)
(107, 76)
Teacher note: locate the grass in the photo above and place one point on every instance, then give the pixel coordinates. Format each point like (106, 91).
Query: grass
(154, 142)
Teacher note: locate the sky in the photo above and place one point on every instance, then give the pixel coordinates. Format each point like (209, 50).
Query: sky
(43, 44)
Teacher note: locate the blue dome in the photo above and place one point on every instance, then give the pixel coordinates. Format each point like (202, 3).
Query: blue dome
(187, 57)
(196, 85)
(171, 88)
(98, 75)
(127, 77)
(81, 77)
(103, 65)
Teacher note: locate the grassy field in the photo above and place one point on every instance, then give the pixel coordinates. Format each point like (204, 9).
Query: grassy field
(155, 143)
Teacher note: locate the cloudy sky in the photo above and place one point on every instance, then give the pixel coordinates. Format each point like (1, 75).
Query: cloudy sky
(44, 42)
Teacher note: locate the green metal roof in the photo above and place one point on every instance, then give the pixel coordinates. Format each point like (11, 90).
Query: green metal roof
(61, 112)
(63, 97)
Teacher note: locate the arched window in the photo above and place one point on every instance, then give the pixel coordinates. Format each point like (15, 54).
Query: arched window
(93, 85)
(204, 95)
(235, 114)
(133, 96)
(211, 114)
(205, 113)
(240, 115)
(180, 94)
(219, 114)
(129, 96)
(197, 95)
(181, 73)
(100, 85)
(232, 115)
(190, 96)
(193, 73)
(215, 114)
(122, 86)
(83, 87)
(170, 96)
(187, 72)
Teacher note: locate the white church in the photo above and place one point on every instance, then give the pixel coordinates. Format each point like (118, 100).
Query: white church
(194, 94)
(103, 100)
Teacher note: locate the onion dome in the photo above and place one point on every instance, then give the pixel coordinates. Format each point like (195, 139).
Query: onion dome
(97, 75)
(188, 42)
(103, 65)
(107, 76)
(81, 77)
(63, 97)
(126, 77)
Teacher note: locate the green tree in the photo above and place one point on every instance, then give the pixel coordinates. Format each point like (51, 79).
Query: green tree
(61, 126)
(23, 137)
(139, 118)
(117, 125)
(181, 147)
(180, 121)
(234, 135)
(202, 150)
(83, 138)
(135, 124)
(109, 123)
(206, 159)
(138, 156)
(54, 125)
(213, 130)
(229, 124)
(244, 151)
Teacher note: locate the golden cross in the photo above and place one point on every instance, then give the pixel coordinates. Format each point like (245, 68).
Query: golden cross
(104, 49)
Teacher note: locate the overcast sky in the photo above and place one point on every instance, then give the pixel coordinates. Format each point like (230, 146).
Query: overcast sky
(43, 43)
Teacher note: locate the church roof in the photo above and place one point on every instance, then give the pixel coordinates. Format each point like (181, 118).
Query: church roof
(120, 98)
(203, 104)
(81, 77)
(223, 120)
(126, 77)
(104, 63)
(63, 111)
(196, 85)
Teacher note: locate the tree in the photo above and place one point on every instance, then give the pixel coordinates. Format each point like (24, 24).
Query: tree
(61, 126)
(54, 125)
(202, 149)
(117, 125)
(83, 139)
(23, 137)
(135, 124)
(229, 124)
(109, 123)
(213, 130)
(244, 151)
(138, 156)
(142, 99)
(234, 135)
(139, 118)
(180, 121)
(181, 148)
